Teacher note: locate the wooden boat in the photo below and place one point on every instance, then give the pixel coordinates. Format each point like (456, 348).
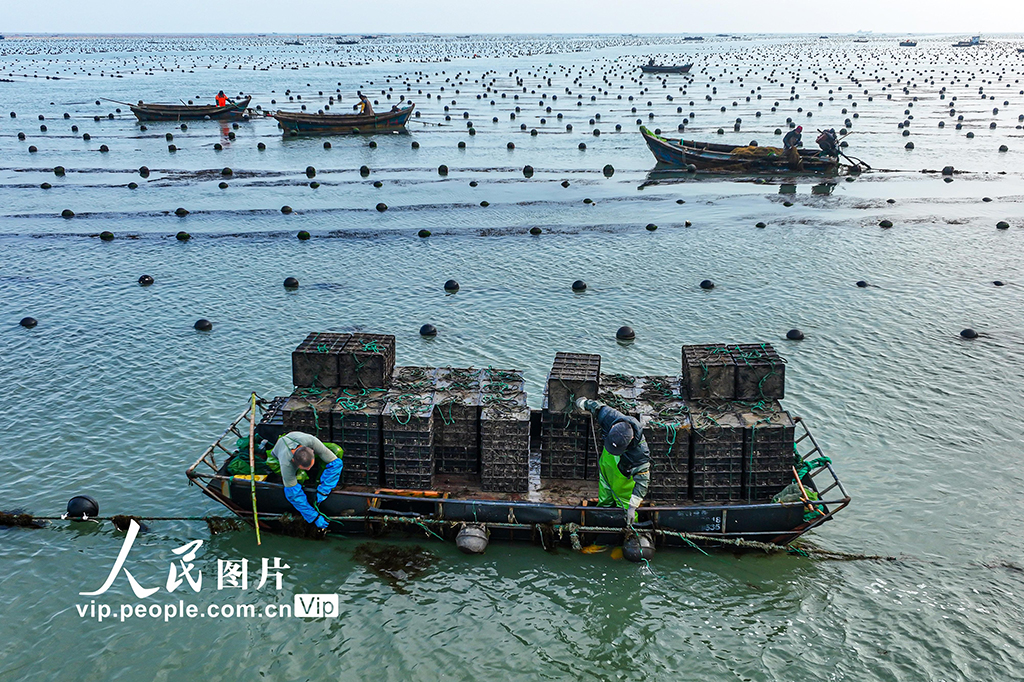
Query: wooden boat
(661, 68)
(908, 43)
(553, 512)
(184, 112)
(321, 123)
(732, 158)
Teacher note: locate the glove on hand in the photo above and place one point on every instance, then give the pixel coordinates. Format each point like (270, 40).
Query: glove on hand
(321, 521)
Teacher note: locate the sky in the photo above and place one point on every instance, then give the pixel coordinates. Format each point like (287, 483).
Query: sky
(511, 16)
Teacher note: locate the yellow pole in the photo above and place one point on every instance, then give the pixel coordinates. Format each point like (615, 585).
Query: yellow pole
(252, 465)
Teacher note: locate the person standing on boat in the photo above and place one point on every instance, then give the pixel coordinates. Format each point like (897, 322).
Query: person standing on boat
(222, 99)
(625, 463)
(364, 105)
(298, 451)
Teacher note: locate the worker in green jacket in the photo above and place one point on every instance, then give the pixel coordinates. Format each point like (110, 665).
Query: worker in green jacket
(298, 451)
(625, 463)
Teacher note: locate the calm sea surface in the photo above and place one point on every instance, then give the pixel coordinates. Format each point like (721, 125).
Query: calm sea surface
(114, 394)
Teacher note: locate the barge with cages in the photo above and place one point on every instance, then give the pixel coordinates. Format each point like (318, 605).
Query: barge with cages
(449, 450)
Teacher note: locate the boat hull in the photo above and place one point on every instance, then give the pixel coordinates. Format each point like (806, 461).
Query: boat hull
(181, 112)
(334, 124)
(654, 68)
(372, 513)
(719, 157)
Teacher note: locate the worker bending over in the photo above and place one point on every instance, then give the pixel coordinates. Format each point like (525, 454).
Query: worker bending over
(298, 451)
(625, 462)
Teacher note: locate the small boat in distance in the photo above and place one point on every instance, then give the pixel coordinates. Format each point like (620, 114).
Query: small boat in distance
(975, 40)
(188, 112)
(320, 123)
(677, 153)
(651, 67)
(293, 42)
(908, 43)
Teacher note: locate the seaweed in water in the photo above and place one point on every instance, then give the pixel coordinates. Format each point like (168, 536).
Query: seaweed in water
(296, 527)
(222, 524)
(20, 519)
(396, 564)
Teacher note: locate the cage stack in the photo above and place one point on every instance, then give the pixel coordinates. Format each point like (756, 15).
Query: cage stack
(567, 447)
(760, 372)
(407, 429)
(504, 432)
(315, 362)
(367, 361)
(356, 427)
(716, 445)
(407, 425)
(666, 423)
(457, 420)
(768, 450)
(709, 372)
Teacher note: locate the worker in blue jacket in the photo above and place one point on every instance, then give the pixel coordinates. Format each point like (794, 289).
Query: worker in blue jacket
(298, 451)
(625, 463)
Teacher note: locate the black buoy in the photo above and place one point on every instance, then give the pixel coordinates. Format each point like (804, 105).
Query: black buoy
(608, 170)
(222, 185)
(423, 233)
(707, 284)
(378, 184)
(535, 231)
(364, 170)
(286, 209)
(999, 283)
(1003, 225)
(145, 280)
(181, 212)
(795, 335)
(107, 236)
(625, 333)
(291, 283)
(579, 285)
(203, 325)
(310, 172)
(451, 286)
(226, 172)
(969, 333)
(143, 171)
(67, 213)
(862, 284)
(82, 508)
(303, 235)
(314, 184)
(761, 225)
(133, 185)
(651, 227)
(428, 330)
(382, 207)
(442, 169)
(59, 171)
(28, 322)
(885, 224)
(527, 171)
(183, 236)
